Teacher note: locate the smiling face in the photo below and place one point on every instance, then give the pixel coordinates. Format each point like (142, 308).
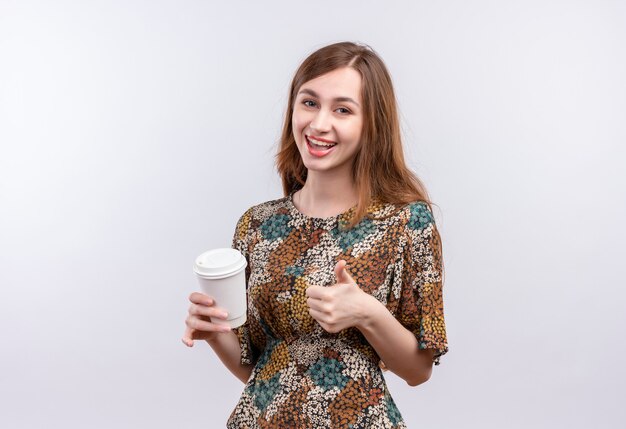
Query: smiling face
(328, 119)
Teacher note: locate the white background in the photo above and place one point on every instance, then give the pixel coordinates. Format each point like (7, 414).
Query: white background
(133, 134)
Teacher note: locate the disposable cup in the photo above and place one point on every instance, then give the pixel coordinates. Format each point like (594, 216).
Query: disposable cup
(221, 274)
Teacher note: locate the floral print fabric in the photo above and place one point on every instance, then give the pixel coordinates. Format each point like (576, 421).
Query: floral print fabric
(303, 376)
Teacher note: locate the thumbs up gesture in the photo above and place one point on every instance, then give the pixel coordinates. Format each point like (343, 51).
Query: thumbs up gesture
(342, 305)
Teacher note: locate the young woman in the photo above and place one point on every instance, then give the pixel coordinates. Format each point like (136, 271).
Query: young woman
(344, 272)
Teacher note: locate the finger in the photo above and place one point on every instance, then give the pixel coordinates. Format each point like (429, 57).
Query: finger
(188, 337)
(316, 304)
(316, 292)
(200, 298)
(324, 322)
(203, 310)
(319, 316)
(341, 272)
(197, 324)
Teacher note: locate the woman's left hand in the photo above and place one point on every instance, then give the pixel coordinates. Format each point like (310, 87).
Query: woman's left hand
(342, 305)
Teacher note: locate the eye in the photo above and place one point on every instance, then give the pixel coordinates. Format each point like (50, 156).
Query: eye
(309, 103)
(343, 110)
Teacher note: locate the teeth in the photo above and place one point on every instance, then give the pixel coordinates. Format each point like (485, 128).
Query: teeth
(318, 143)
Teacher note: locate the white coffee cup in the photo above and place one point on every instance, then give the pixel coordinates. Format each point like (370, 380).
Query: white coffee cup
(221, 274)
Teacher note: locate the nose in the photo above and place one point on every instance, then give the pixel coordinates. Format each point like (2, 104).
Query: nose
(321, 122)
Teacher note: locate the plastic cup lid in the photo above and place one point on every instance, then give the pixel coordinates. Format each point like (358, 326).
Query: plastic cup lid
(219, 263)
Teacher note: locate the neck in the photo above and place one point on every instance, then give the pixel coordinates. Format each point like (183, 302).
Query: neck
(327, 194)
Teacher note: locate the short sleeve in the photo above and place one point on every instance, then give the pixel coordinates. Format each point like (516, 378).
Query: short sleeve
(421, 303)
(241, 243)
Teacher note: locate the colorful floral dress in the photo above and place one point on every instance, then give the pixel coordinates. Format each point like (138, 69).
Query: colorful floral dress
(303, 376)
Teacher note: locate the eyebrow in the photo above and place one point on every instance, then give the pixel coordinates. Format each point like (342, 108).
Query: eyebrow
(314, 94)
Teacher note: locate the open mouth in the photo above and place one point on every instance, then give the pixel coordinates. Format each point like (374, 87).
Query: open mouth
(319, 145)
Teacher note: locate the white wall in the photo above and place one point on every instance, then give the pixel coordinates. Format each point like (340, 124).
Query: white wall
(134, 133)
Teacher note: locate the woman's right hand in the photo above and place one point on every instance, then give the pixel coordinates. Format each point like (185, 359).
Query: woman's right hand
(199, 324)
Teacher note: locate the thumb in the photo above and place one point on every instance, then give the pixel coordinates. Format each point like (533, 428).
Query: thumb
(343, 276)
